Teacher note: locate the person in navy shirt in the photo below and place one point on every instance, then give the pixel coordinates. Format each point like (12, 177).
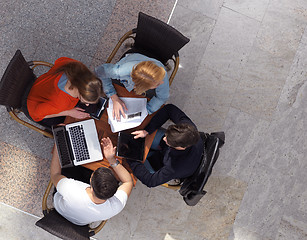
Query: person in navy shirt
(175, 153)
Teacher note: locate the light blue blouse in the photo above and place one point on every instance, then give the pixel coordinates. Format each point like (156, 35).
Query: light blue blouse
(122, 70)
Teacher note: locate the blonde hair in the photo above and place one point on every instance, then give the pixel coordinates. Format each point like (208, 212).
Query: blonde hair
(88, 85)
(145, 75)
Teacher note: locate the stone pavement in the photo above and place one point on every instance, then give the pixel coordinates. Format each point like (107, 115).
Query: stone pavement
(243, 72)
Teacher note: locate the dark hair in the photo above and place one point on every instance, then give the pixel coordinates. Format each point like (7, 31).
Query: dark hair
(104, 183)
(182, 135)
(88, 85)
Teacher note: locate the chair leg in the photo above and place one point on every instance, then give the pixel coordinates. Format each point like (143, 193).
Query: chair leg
(99, 227)
(45, 197)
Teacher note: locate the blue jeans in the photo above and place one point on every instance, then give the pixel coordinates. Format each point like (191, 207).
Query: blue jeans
(155, 146)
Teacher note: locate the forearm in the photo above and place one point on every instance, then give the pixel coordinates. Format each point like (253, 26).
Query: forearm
(122, 173)
(147, 178)
(60, 114)
(55, 168)
(171, 112)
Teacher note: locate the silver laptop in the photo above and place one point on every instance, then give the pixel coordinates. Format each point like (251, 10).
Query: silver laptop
(77, 143)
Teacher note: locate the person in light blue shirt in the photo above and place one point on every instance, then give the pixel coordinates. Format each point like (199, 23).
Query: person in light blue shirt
(139, 73)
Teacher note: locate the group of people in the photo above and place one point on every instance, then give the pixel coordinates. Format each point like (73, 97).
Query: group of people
(83, 196)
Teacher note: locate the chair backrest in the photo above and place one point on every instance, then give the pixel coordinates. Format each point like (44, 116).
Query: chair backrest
(157, 39)
(192, 187)
(17, 77)
(57, 225)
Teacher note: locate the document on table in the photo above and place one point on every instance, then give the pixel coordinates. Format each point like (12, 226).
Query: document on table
(135, 114)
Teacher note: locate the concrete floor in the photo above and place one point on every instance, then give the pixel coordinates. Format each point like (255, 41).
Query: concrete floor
(243, 72)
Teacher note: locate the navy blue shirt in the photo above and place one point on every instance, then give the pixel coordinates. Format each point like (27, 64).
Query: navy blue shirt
(175, 163)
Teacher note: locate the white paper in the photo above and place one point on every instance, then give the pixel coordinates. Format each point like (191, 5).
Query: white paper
(133, 105)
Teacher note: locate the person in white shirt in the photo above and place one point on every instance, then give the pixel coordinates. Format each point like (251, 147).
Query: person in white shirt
(83, 203)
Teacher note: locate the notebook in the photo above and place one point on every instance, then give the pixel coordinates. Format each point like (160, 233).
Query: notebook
(130, 148)
(77, 143)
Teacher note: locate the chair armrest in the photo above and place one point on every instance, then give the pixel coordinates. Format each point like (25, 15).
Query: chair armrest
(120, 42)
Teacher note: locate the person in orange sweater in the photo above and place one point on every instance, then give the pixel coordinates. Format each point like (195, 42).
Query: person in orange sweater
(55, 94)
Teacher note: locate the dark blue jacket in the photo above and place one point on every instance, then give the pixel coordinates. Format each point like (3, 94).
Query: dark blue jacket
(175, 163)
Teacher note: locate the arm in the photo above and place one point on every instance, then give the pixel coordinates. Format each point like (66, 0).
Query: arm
(106, 72)
(163, 175)
(55, 168)
(76, 112)
(162, 95)
(171, 112)
(122, 173)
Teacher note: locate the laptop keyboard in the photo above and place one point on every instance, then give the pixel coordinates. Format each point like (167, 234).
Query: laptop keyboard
(63, 148)
(79, 143)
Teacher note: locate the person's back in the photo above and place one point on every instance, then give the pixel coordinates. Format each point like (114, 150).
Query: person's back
(83, 203)
(72, 202)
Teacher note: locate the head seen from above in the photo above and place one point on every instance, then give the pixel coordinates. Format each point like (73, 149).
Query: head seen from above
(147, 75)
(80, 77)
(104, 183)
(181, 136)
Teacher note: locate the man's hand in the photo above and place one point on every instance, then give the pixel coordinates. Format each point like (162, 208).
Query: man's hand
(119, 107)
(78, 113)
(140, 134)
(108, 150)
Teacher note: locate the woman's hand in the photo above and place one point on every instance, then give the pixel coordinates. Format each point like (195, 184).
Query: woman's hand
(140, 134)
(119, 107)
(108, 150)
(78, 113)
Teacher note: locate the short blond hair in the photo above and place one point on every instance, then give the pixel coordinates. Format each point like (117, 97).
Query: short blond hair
(146, 75)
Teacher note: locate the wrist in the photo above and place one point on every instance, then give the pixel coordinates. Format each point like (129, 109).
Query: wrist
(114, 97)
(113, 165)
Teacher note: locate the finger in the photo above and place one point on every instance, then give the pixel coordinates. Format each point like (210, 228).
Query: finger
(114, 114)
(80, 109)
(123, 112)
(136, 136)
(108, 140)
(124, 105)
(118, 116)
(135, 132)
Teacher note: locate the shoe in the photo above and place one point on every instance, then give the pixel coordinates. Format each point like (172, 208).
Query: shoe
(174, 182)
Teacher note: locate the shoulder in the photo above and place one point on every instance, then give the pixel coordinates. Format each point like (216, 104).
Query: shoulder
(69, 184)
(121, 196)
(64, 60)
(140, 58)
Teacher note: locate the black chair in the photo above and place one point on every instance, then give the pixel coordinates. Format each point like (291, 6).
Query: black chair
(15, 85)
(155, 39)
(59, 226)
(191, 188)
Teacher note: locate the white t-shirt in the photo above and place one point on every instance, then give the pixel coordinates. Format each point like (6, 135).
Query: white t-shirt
(73, 203)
